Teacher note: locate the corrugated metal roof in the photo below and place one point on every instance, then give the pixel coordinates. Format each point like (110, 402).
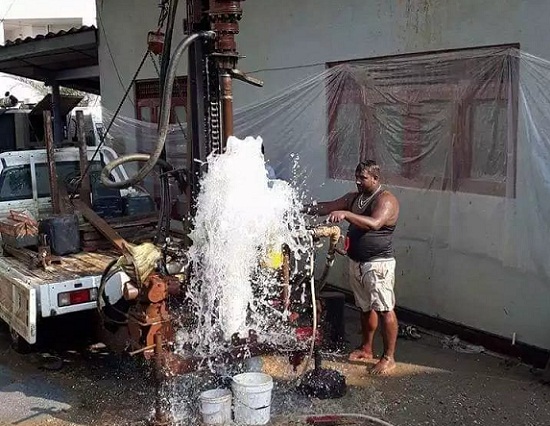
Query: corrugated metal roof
(49, 35)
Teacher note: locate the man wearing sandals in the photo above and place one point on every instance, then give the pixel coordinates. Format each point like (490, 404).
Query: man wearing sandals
(372, 214)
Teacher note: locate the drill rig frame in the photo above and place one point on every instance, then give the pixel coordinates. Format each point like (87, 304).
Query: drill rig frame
(210, 27)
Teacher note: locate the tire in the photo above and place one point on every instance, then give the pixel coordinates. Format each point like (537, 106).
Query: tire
(19, 344)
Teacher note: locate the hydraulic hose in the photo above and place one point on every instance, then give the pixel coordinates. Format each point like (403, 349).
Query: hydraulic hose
(131, 158)
(110, 271)
(339, 416)
(163, 122)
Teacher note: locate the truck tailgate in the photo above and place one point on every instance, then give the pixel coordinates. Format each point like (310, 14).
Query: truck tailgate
(25, 293)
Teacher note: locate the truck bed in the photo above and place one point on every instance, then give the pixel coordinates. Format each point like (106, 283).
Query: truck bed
(71, 267)
(29, 294)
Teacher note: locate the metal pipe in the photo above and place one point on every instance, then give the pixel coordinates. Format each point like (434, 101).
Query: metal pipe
(286, 278)
(164, 120)
(333, 233)
(227, 107)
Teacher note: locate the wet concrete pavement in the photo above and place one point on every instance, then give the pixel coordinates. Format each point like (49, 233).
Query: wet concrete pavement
(432, 385)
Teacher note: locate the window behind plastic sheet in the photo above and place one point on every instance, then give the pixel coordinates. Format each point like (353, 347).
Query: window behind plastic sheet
(443, 120)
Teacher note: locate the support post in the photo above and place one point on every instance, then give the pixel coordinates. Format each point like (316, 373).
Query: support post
(56, 110)
(166, 53)
(85, 187)
(52, 172)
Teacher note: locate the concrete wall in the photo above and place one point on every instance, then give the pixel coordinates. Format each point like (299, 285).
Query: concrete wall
(450, 251)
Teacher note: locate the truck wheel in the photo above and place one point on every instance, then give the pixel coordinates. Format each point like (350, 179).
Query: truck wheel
(19, 344)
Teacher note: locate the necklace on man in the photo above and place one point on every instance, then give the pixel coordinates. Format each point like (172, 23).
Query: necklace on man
(362, 202)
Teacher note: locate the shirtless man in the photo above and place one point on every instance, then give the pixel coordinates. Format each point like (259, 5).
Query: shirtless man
(372, 214)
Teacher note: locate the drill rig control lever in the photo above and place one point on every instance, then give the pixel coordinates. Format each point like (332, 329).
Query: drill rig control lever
(239, 75)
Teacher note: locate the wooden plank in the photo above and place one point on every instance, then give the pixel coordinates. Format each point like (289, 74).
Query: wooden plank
(18, 307)
(125, 222)
(100, 224)
(70, 267)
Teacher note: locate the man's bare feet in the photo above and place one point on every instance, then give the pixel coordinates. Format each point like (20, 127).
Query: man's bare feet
(384, 366)
(361, 355)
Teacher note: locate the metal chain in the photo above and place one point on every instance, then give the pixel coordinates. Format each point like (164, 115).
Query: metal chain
(214, 124)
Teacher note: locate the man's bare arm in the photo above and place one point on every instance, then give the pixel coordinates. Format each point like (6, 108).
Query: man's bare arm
(385, 212)
(325, 207)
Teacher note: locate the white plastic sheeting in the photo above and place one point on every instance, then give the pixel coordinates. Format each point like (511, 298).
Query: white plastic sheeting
(463, 139)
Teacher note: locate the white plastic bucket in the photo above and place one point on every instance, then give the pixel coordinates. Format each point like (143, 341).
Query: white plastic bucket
(252, 398)
(216, 406)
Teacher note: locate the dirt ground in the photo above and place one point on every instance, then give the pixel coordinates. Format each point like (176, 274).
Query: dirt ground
(432, 385)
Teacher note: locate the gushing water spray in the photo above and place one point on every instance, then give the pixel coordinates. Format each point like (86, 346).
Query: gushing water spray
(242, 222)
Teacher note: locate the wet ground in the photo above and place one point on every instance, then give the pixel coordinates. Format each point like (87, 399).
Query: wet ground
(432, 385)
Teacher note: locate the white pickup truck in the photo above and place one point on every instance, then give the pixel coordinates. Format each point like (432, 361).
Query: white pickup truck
(27, 296)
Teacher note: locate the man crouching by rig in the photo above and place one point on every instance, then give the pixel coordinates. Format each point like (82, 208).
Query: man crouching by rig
(372, 214)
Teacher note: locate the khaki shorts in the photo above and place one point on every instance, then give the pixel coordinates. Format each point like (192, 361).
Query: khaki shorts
(372, 284)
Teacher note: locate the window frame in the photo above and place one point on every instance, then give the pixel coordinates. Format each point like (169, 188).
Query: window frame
(459, 179)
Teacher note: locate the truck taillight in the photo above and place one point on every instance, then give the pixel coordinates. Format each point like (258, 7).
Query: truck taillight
(76, 297)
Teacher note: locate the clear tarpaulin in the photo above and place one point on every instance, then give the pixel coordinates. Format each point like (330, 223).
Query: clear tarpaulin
(463, 140)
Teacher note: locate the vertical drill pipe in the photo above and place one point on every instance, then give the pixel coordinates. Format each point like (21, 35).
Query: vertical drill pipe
(161, 417)
(50, 153)
(85, 187)
(227, 107)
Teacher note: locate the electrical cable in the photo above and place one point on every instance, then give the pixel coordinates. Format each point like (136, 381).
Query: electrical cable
(7, 11)
(103, 135)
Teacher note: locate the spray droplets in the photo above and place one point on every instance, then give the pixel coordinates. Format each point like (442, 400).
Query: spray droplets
(242, 222)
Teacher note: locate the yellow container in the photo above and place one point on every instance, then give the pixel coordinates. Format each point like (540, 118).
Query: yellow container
(274, 259)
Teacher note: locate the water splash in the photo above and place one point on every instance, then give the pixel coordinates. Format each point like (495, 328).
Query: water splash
(241, 223)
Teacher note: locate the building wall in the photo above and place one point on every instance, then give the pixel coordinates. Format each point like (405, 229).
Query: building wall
(286, 41)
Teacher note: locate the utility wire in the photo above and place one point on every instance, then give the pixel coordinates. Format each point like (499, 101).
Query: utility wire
(106, 40)
(7, 11)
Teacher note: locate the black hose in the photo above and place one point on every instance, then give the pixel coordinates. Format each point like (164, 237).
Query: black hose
(103, 135)
(164, 120)
(132, 158)
(108, 273)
